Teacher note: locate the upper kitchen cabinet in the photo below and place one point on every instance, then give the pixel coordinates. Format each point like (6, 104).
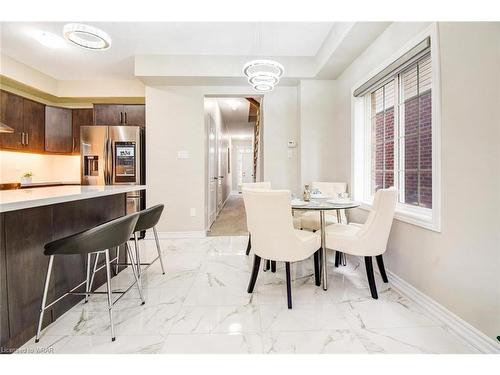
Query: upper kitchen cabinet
(27, 118)
(11, 114)
(119, 114)
(81, 117)
(58, 130)
(34, 126)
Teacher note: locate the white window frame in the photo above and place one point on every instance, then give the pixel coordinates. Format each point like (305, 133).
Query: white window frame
(361, 142)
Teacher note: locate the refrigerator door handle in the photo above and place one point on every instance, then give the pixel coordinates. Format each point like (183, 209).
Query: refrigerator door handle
(111, 162)
(106, 162)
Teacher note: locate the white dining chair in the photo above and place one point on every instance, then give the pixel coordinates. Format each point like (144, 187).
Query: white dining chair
(369, 239)
(269, 218)
(310, 220)
(252, 186)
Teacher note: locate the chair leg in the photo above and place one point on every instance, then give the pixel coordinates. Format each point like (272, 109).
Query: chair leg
(273, 266)
(249, 245)
(337, 258)
(371, 277)
(288, 285)
(117, 259)
(317, 274)
(93, 271)
(267, 265)
(159, 250)
(255, 272)
(87, 281)
(380, 263)
(44, 298)
(137, 256)
(134, 271)
(110, 301)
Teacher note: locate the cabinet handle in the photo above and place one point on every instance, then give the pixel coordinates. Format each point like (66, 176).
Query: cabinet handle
(125, 117)
(22, 138)
(73, 144)
(121, 117)
(27, 138)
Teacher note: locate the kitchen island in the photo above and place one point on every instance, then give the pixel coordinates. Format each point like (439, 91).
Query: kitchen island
(29, 218)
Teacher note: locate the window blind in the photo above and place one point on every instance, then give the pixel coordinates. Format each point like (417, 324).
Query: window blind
(395, 67)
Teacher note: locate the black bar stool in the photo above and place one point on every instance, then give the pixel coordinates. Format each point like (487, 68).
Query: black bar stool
(97, 240)
(148, 219)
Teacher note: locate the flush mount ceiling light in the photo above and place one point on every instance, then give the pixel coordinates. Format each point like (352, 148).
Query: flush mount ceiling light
(87, 36)
(263, 75)
(48, 39)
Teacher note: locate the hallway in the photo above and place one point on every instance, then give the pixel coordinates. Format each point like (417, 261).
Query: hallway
(231, 220)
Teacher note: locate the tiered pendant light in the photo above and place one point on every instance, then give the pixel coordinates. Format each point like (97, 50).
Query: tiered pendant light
(263, 75)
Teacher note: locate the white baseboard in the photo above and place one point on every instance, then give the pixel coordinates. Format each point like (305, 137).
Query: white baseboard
(170, 235)
(468, 333)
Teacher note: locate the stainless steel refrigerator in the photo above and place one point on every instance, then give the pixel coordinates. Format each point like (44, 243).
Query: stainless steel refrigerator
(114, 155)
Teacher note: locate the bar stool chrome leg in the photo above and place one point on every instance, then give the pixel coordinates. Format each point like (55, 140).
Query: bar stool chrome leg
(110, 301)
(117, 259)
(159, 250)
(134, 271)
(87, 283)
(94, 271)
(44, 298)
(137, 257)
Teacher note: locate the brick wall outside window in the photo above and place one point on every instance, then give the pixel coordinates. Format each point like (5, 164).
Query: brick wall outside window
(410, 131)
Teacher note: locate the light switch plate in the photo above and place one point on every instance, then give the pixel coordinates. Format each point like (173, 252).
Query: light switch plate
(183, 154)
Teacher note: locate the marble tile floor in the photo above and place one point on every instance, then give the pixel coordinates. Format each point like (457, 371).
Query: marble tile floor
(201, 306)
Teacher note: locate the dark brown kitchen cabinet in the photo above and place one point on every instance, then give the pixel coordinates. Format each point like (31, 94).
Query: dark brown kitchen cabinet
(11, 114)
(81, 117)
(58, 130)
(34, 126)
(27, 118)
(135, 114)
(25, 233)
(119, 114)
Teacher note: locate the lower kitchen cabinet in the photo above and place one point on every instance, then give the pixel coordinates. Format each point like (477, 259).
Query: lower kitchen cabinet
(23, 266)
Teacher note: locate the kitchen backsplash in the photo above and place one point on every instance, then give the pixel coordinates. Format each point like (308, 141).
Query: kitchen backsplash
(45, 168)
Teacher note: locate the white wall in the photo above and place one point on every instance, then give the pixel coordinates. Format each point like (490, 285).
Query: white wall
(318, 142)
(175, 122)
(459, 266)
(281, 124)
(45, 168)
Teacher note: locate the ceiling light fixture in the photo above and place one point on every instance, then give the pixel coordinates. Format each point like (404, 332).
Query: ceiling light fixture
(263, 75)
(48, 39)
(87, 36)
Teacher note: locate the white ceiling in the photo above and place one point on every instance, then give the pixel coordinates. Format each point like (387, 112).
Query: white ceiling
(236, 119)
(298, 39)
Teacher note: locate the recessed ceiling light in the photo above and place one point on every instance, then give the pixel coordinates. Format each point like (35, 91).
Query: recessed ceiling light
(48, 39)
(234, 104)
(87, 36)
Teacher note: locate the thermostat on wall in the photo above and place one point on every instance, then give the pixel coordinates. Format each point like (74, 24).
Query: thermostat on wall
(292, 144)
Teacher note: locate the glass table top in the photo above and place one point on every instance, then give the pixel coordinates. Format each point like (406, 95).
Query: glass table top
(322, 204)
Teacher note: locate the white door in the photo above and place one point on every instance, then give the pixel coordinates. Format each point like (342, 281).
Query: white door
(212, 171)
(247, 166)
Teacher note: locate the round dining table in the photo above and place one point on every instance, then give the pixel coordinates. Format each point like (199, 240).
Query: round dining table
(323, 205)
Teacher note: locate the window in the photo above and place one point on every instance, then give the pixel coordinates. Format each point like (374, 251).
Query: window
(394, 137)
(410, 134)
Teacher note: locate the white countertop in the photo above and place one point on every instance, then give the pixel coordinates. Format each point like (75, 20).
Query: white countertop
(11, 200)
